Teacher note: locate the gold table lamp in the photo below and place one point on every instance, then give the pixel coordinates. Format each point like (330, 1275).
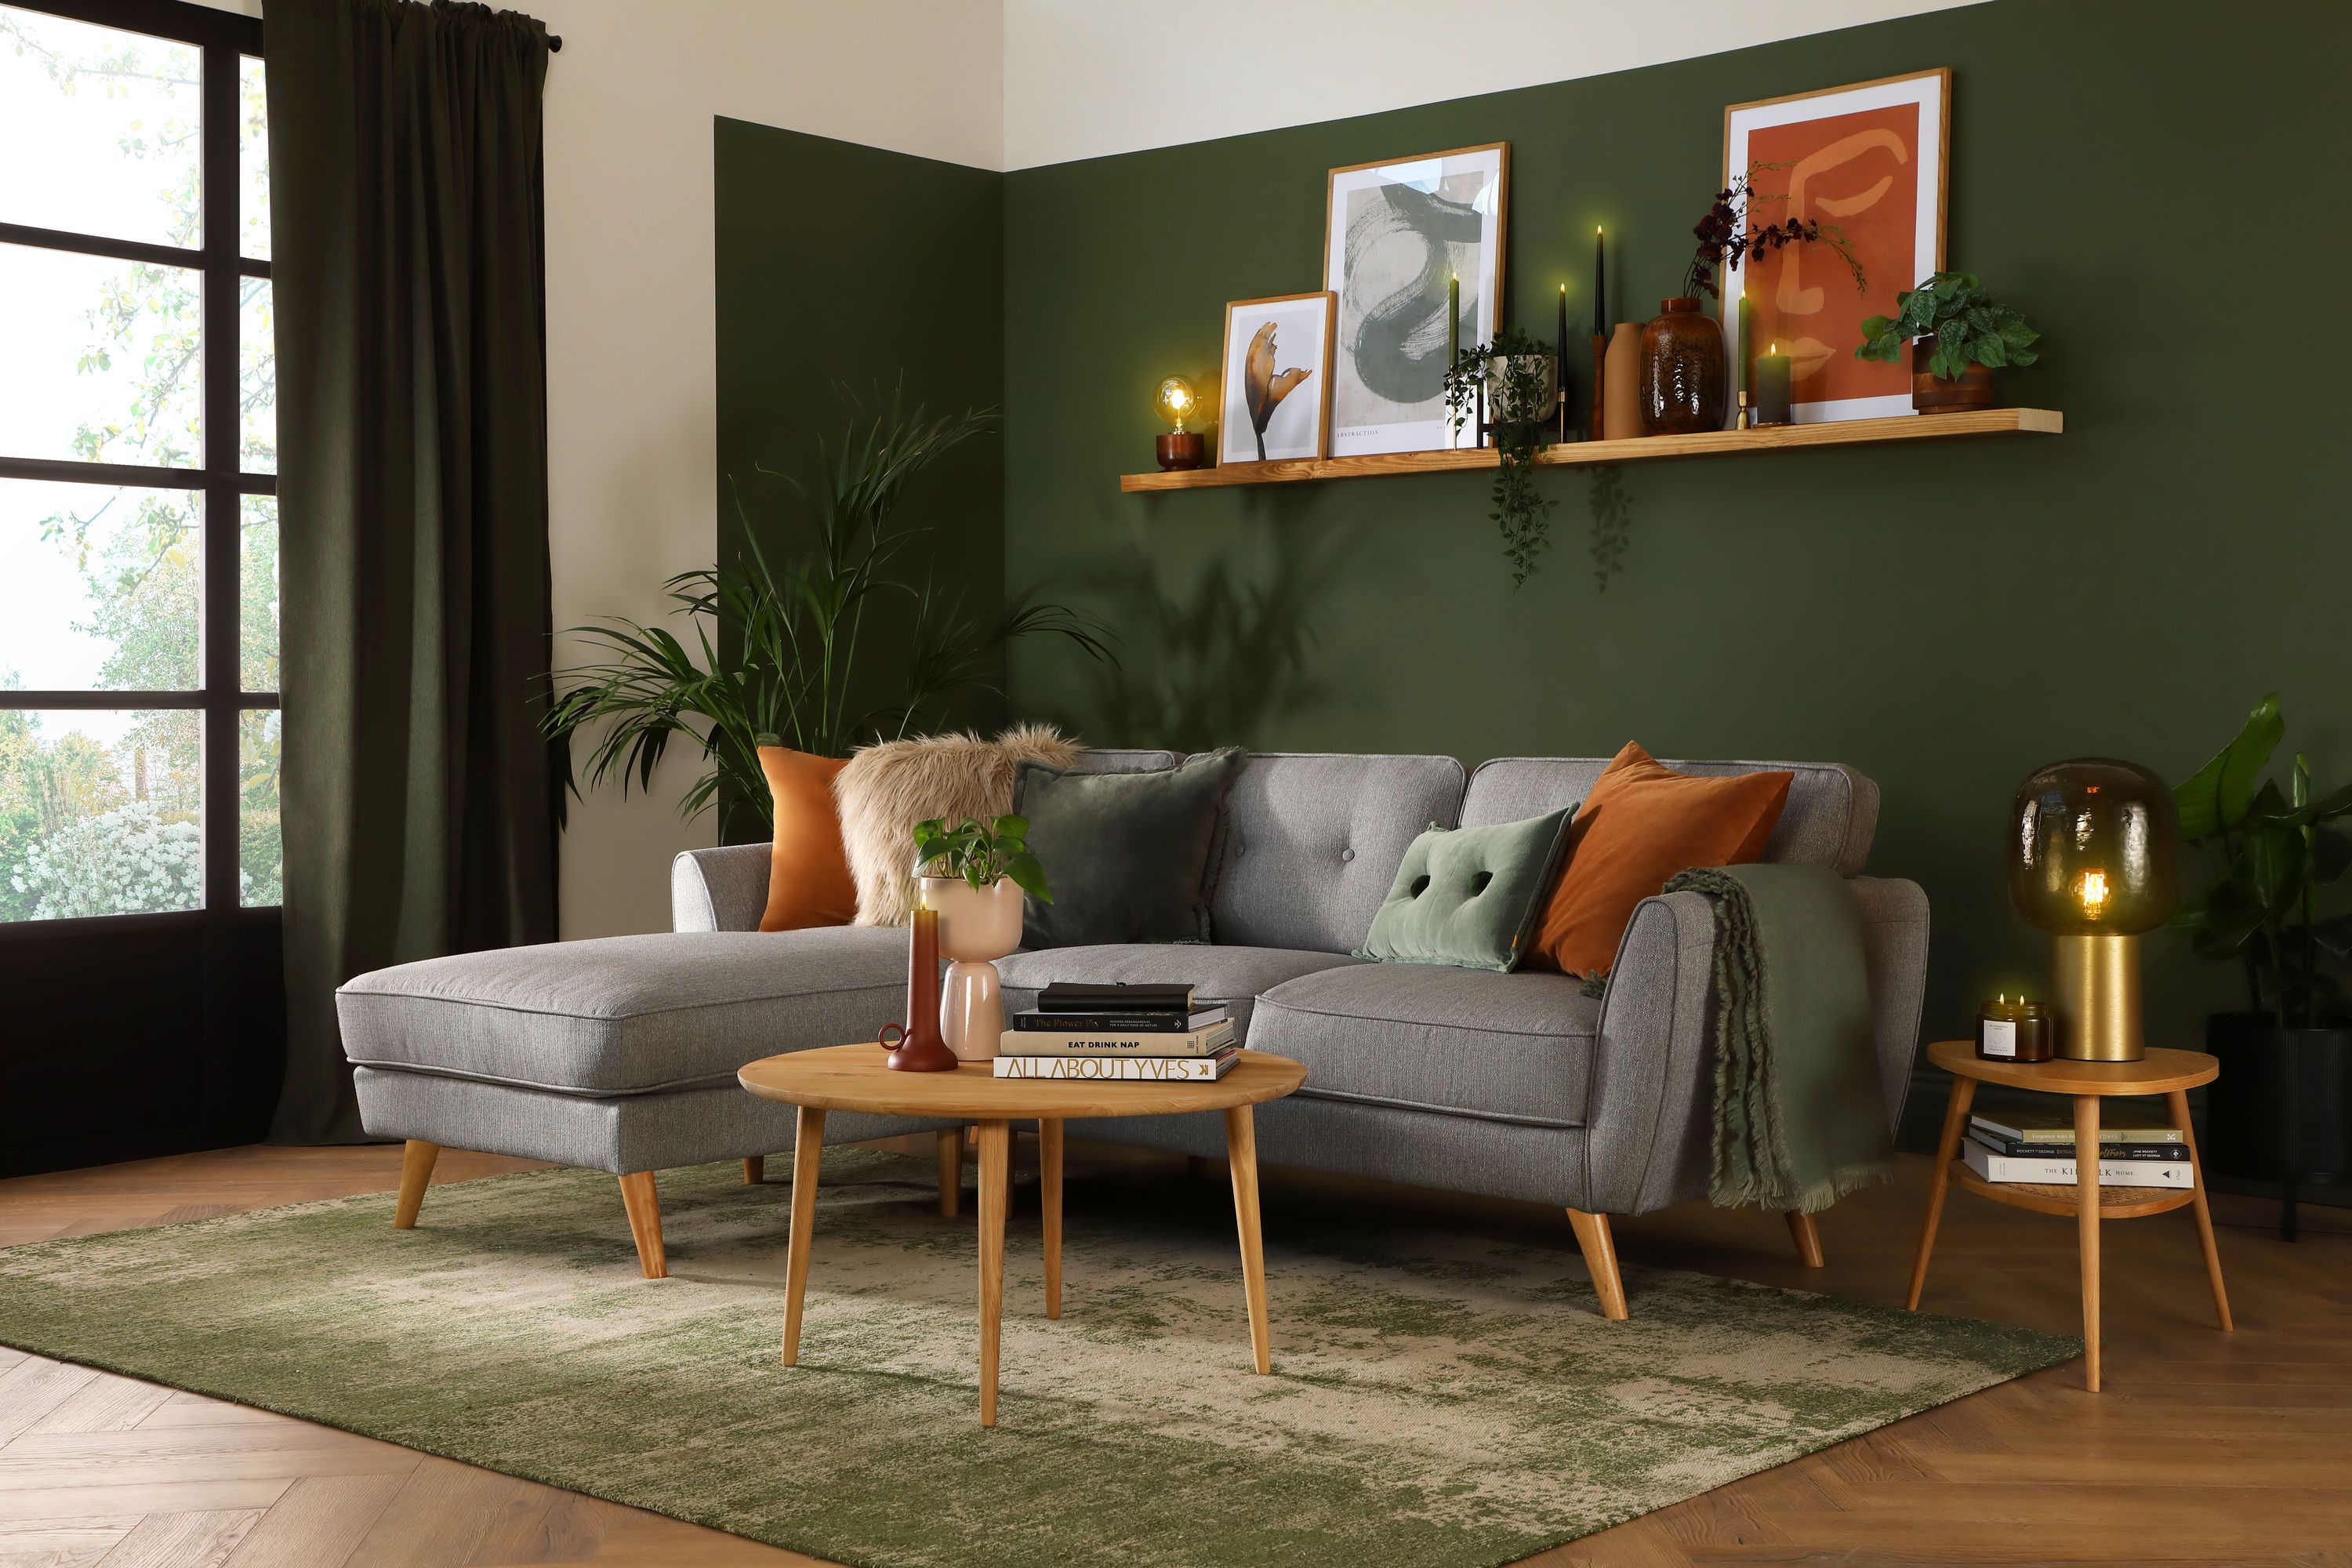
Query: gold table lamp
(2092, 860)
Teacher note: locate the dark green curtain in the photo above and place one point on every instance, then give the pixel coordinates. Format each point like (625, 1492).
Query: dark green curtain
(408, 269)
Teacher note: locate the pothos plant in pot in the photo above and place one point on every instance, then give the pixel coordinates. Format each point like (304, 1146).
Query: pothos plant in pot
(1958, 335)
(1521, 381)
(2282, 1109)
(974, 874)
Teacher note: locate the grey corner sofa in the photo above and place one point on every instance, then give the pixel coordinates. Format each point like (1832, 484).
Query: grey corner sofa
(620, 1053)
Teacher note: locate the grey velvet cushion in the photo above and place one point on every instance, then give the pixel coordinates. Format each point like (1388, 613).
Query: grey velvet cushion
(1128, 855)
(1314, 841)
(1831, 817)
(627, 1014)
(1227, 976)
(1510, 1048)
(1466, 896)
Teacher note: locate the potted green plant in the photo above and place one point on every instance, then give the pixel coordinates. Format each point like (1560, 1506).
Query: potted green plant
(1958, 335)
(974, 874)
(2282, 1109)
(1521, 381)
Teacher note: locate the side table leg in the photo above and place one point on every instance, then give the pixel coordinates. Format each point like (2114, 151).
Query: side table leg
(995, 1177)
(2086, 1220)
(1049, 1192)
(808, 1150)
(1241, 1156)
(2178, 1100)
(1948, 1149)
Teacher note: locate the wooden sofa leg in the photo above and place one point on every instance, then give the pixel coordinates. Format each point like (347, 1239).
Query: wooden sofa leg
(415, 1174)
(950, 1162)
(1808, 1237)
(645, 1222)
(755, 1168)
(1601, 1261)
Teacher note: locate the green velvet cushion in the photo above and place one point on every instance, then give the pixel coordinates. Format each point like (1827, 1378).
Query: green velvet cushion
(1129, 856)
(1467, 896)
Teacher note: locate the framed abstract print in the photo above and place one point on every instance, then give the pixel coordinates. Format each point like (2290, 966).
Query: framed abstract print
(1394, 233)
(1275, 388)
(1869, 158)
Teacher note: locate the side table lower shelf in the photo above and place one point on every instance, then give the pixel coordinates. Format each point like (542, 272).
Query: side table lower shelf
(2059, 1199)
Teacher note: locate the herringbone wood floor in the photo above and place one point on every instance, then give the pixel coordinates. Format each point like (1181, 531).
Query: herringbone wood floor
(2223, 1451)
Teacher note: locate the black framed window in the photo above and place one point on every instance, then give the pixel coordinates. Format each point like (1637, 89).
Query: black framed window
(139, 711)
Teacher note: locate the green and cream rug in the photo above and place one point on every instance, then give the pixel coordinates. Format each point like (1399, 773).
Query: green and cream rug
(1436, 1398)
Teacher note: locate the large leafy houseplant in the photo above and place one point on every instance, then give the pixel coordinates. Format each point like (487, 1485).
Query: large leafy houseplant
(785, 648)
(1517, 372)
(1968, 325)
(981, 854)
(2273, 850)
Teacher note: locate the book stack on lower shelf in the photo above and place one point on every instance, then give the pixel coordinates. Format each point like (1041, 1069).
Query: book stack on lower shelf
(2039, 1147)
(1143, 1034)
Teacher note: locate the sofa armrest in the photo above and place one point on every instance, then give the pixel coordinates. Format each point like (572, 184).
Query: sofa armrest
(1895, 945)
(1648, 1125)
(724, 889)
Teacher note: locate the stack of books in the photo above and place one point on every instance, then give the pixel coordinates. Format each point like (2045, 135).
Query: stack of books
(2039, 1146)
(1144, 1033)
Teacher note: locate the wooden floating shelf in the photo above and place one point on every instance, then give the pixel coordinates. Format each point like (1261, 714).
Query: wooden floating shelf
(1646, 448)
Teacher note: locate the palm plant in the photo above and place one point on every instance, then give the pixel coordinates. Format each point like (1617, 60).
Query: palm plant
(777, 646)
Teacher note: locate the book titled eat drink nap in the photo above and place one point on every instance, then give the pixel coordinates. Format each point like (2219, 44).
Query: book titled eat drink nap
(1208, 1042)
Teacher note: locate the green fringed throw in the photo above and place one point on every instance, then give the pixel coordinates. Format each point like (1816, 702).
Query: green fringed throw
(1800, 1110)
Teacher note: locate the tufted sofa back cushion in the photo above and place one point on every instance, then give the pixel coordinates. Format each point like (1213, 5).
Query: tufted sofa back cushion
(1831, 817)
(1313, 841)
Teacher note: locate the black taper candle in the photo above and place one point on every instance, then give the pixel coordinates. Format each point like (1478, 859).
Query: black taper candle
(1600, 301)
(1559, 365)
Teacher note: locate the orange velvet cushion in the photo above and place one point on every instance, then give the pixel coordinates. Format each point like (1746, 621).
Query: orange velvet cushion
(1643, 824)
(808, 872)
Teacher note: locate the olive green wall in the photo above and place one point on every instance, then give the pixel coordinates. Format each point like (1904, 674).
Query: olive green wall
(842, 268)
(2160, 187)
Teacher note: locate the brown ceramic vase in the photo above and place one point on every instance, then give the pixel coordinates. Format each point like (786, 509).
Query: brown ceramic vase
(1682, 372)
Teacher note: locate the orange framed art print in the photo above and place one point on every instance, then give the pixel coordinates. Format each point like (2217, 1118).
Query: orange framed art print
(1869, 158)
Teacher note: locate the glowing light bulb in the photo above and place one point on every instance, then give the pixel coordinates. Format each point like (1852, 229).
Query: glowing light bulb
(2093, 891)
(1175, 401)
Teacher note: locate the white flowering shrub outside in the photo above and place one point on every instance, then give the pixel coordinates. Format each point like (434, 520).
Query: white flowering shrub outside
(127, 861)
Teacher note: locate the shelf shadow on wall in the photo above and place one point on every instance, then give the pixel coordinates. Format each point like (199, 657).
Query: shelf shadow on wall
(1225, 660)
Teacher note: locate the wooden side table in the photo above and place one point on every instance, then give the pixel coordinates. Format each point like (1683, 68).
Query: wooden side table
(2168, 1073)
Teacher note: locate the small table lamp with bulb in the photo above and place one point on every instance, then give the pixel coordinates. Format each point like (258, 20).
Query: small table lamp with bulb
(1176, 401)
(2092, 853)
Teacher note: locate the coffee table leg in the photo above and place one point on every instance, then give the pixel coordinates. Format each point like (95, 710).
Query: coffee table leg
(808, 1149)
(995, 1160)
(1049, 1188)
(1948, 1149)
(1241, 1155)
(2087, 1219)
(2179, 1100)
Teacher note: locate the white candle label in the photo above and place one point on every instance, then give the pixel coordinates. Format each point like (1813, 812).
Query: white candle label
(1999, 1037)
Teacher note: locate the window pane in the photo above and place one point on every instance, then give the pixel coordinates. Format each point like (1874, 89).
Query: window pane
(98, 814)
(256, 377)
(260, 879)
(256, 642)
(116, 118)
(253, 160)
(98, 587)
(103, 358)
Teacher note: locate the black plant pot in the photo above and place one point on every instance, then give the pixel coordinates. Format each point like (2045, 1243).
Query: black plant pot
(2282, 1109)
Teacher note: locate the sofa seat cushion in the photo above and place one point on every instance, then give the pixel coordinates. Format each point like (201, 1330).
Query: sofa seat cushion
(627, 1014)
(1510, 1048)
(1220, 977)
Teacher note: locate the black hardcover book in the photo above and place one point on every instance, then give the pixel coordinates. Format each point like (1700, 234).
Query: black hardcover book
(1163, 1023)
(1068, 996)
(2039, 1149)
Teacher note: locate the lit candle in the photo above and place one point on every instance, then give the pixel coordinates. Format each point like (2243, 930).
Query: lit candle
(2019, 1031)
(1771, 398)
(1453, 317)
(1599, 316)
(1561, 368)
(1747, 349)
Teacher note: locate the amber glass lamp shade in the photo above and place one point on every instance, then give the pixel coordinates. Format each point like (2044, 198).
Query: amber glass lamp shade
(2094, 860)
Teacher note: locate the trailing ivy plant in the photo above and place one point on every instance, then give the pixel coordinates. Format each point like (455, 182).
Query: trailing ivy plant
(1969, 326)
(1520, 512)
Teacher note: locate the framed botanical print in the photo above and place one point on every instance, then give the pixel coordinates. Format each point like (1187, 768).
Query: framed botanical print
(1275, 389)
(1869, 158)
(1394, 233)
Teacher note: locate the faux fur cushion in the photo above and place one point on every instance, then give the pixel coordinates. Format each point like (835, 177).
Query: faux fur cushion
(889, 788)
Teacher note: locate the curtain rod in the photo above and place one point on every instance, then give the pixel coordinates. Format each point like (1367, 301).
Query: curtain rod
(554, 43)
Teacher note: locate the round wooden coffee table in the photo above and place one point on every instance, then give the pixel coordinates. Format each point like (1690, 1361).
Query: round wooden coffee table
(853, 1078)
(2171, 1074)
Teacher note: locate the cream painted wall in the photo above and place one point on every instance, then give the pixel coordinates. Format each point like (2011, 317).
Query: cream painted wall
(631, 415)
(1083, 79)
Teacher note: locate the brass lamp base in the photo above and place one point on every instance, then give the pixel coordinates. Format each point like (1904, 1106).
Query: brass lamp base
(2094, 994)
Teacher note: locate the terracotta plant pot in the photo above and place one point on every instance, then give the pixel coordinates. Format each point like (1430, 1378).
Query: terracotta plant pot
(1931, 393)
(1683, 371)
(977, 926)
(2282, 1109)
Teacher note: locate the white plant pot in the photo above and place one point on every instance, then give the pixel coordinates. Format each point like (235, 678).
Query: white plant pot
(977, 926)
